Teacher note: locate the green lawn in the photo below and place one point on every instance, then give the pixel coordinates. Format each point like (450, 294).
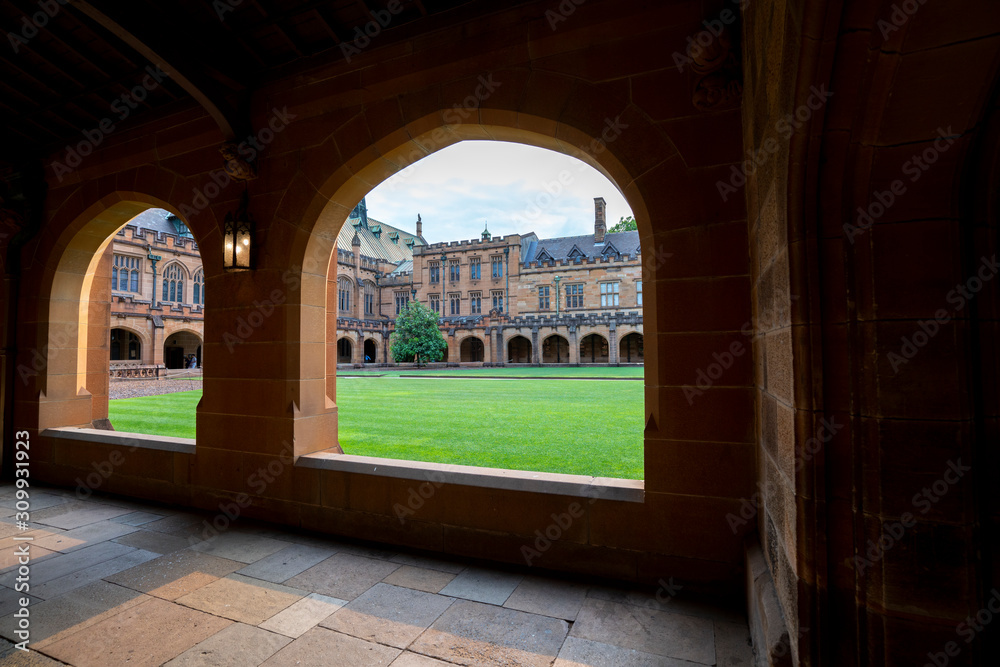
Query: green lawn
(578, 427)
(508, 371)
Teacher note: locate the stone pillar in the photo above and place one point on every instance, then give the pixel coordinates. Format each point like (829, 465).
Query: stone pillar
(358, 353)
(498, 352)
(574, 346)
(536, 353)
(612, 344)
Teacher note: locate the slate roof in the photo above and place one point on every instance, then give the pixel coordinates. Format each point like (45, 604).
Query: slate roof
(378, 246)
(157, 220)
(626, 243)
(407, 265)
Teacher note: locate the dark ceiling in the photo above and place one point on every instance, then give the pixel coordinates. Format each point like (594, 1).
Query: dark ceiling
(66, 67)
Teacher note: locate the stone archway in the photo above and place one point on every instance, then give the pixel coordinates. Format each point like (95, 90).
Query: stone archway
(519, 350)
(594, 349)
(180, 348)
(124, 345)
(471, 350)
(630, 349)
(371, 351)
(345, 351)
(555, 350)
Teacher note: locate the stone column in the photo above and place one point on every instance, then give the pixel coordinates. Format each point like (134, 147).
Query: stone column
(499, 356)
(612, 344)
(574, 346)
(536, 353)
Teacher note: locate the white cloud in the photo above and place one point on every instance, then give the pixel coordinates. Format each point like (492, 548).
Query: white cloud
(505, 185)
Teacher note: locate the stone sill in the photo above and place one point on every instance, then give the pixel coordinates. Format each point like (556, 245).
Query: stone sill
(582, 486)
(119, 439)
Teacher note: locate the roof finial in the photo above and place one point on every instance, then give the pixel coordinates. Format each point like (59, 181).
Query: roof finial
(486, 232)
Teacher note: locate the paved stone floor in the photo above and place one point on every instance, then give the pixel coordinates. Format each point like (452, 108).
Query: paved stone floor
(120, 582)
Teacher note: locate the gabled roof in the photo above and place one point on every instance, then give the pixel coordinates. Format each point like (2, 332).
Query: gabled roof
(375, 241)
(562, 248)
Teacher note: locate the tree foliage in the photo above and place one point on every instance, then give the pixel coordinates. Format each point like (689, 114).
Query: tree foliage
(417, 335)
(625, 225)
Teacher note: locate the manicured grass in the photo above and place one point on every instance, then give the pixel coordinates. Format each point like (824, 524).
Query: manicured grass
(577, 427)
(510, 371)
(166, 414)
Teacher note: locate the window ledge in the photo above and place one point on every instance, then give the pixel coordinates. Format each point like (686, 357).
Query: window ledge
(120, 439)
(604, 488)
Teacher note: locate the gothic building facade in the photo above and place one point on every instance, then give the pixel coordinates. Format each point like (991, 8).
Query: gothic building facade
(514, 299)
(157, 296)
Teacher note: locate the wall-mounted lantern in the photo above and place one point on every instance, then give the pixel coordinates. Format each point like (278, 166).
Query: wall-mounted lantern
(238, 246)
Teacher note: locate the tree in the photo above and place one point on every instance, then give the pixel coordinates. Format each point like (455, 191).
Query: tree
(417, 335)
(625, 225)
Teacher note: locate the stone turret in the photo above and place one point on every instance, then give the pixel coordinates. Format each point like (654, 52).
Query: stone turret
(420, 227)
(600, 222)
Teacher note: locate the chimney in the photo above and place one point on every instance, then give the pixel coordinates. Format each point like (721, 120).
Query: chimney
(600, 224)
(420, 227)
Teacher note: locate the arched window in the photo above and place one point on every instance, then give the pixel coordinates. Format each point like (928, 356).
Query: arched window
(369, 297)
(173, 284)
(344, 295)
(198, 288)
(125, 274)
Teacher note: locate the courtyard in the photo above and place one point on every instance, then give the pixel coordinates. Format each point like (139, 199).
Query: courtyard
(587, 422)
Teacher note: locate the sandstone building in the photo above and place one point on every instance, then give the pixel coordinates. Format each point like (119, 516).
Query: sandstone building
(816, 186)
(501, 300)
(157, 296)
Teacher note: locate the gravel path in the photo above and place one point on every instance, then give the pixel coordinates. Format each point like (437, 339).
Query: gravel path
(136, 388)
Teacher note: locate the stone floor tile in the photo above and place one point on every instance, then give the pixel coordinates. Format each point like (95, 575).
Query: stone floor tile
(38, 501)
(286, 563)
(365, 550)
(77, 538)
(548, 597)
(183, 524)
(418, 578)
(242, 599)
(10, 600)
(661, 633)
(235, 545)
(416, 660)
(161, 543)
(319, 645)
(37, 534)
(147, 634)
(454, 567)
(303, 615)
(62, 585)
(78, 609)
(482, 585)
(389, 615)
(238, 645)
(72, 515)
(172, 575)
(60, 566)
(471, 633)
(11, 557)
(14, 657)
(137, 518)
(733, 647)
(585, 653)
(343, 576)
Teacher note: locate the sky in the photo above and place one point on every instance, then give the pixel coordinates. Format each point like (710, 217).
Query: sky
(505, 185)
